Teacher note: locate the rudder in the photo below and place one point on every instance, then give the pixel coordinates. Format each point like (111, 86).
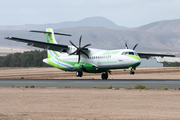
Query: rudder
(50, 36)
(51, 39)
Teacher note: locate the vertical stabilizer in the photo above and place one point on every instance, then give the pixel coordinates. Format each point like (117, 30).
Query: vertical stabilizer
(51, 39)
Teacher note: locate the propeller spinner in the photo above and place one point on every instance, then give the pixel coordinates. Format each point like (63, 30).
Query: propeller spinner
(79, 49)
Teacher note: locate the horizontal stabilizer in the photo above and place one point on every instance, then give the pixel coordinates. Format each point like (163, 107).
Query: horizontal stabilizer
(49, 32)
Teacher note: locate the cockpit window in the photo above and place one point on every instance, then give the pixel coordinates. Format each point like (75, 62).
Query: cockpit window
(135, 54)
(123, 53)
(128, 53)
(131, 53)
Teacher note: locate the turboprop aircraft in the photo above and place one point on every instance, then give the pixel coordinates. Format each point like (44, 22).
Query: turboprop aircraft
(82, 59)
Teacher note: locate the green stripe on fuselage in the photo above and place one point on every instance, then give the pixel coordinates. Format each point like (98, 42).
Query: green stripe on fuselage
(134, 56)
(56, 65)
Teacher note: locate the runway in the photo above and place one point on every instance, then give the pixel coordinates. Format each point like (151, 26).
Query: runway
(87, 83)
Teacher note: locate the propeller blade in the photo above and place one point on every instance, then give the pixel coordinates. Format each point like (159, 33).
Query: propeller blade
(86, 46)
(73, 52)
(135, 46)
(79, 58)
(73, 44)
(126, 45)
(80, 41)
(85, 54)
(79, 49)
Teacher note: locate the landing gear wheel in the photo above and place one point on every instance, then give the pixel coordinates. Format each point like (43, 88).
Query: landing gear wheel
(104, 76)
(132, 72)
(79, 73)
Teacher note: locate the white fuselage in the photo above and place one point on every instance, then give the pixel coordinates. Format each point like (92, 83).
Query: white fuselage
(105, 58)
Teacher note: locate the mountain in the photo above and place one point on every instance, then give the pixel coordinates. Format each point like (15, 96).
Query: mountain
(103, 38)
(163, 27)
(162, 36)
(87, 22)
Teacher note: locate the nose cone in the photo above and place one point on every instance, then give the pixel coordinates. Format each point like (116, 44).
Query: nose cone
(137, 62)
(45, 61)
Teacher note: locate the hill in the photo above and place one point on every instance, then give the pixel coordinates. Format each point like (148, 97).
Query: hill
(163, 27)
(104, 38)
(162, 36)
(91, 22)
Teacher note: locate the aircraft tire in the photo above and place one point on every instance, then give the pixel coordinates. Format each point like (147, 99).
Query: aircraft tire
(79, 73)
(104, 76)
(132, 72)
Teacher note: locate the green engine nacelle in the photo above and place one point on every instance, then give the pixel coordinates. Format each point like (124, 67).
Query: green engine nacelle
(78, 66)
(86, 67)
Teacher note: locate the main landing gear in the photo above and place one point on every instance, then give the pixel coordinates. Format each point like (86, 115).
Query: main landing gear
(104, 76)
(132, 71)
(79, 73)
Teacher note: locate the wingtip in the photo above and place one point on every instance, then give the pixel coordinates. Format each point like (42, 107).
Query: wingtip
(7, 37)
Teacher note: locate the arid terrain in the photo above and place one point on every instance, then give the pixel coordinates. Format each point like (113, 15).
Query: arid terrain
(88, 103)
(54, 73)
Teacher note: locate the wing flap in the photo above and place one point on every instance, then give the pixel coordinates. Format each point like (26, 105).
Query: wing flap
(39, 44)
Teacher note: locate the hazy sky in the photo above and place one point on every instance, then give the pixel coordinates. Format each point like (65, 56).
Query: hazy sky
(130, 13)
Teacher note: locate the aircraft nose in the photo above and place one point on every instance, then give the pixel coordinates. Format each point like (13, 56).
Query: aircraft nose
(45, 61)
(137, 62)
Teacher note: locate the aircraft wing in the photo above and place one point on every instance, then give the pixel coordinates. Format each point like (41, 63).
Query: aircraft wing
(148, 55)
(39, 44)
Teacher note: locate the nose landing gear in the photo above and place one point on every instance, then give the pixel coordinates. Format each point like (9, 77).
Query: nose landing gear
(132, 71)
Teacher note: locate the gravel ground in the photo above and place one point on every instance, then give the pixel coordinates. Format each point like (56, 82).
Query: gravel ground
(88, 104)
(54, 73)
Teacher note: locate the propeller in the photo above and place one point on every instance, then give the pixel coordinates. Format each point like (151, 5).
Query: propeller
(135, 46)
(79, 49)
(127, 46)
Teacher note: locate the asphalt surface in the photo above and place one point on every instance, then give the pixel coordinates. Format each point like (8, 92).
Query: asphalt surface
(87, 83)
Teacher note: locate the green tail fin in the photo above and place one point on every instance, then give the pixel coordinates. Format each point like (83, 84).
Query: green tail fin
(51, 39)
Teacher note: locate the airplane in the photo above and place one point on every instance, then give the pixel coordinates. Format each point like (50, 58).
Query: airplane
(82, 59)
